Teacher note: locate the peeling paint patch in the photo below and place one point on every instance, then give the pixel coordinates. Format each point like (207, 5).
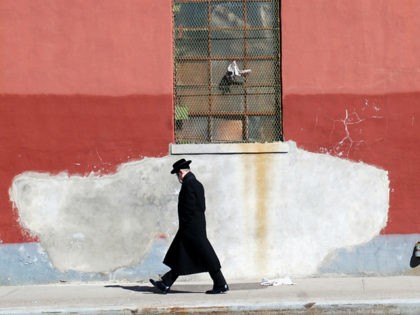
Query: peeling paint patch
(314, 203)
(268, 214)
(97, 223)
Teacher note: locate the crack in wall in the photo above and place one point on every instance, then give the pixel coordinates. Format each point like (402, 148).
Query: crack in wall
(348, 144)
(340, 147)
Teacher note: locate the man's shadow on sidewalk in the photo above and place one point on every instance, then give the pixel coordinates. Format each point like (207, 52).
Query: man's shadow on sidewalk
(146, 289)
(187, 288)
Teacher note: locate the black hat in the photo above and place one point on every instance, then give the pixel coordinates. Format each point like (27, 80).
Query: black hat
(180, 164)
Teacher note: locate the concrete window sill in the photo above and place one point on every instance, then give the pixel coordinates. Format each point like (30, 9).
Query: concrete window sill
(229, 148)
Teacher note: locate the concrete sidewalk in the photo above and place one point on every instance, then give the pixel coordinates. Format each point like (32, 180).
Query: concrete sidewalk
(364, 295)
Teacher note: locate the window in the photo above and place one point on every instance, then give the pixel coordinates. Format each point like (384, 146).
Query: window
(227, 71)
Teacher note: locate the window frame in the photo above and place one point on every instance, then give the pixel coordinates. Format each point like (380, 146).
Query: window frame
(206, 91)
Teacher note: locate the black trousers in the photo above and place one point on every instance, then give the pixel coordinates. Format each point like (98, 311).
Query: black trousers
(217, 276)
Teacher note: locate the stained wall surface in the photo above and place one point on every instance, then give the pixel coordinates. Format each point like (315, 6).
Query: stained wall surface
(263, 216)
(86, 121)
(351, 88)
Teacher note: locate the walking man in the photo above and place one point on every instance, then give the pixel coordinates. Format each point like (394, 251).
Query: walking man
(191, 251)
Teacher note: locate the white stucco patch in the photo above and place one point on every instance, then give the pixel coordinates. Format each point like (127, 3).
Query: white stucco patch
(267, 214)
(98, 223)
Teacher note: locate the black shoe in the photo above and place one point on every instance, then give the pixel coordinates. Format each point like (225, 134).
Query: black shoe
(218, 290)
(160, 285)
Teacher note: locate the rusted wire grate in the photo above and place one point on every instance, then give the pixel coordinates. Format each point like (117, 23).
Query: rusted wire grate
(227, 71)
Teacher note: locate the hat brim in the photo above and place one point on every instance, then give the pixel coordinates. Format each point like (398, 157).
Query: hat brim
(181, 166)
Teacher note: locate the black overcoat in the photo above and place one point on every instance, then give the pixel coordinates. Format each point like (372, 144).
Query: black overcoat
(190, 251)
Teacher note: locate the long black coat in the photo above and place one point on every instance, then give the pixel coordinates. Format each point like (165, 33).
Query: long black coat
(191, 251)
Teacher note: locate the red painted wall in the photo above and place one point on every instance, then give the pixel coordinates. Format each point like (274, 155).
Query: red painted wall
(84, 86)
(359, 56)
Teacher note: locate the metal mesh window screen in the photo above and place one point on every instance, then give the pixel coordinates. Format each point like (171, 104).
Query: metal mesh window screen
(227, 71)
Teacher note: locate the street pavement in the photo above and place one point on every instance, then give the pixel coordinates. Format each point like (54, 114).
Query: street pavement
(323, 295)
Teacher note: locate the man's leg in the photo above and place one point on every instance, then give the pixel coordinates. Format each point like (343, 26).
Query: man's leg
(219, 283)
(167, 280)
